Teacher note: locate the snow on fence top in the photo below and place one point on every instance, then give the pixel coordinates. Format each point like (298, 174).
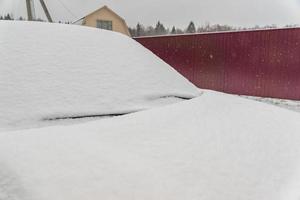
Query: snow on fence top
(55, 71)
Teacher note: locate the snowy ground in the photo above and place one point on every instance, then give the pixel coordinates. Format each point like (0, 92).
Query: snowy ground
(284, 103)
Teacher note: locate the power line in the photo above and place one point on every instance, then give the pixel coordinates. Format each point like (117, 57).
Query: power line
(69, 10)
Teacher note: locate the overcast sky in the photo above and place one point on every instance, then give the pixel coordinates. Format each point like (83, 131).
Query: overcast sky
(244, 13)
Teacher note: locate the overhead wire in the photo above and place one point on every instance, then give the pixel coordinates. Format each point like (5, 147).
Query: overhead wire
(15, 6)
(66, 8)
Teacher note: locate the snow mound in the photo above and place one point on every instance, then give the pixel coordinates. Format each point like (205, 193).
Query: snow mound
(54, 71)
(210, 148)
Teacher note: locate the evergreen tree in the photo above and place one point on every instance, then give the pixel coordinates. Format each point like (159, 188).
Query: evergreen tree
(132, 32)
(179, 31)
(173, 30)
(160, 29)
(207, 27)
(8, 17)
(140, 31)
(150, 31)
(191, 28)
(1, 18)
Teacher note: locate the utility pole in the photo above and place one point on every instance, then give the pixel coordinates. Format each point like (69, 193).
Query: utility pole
(46, 11)
(30, 10)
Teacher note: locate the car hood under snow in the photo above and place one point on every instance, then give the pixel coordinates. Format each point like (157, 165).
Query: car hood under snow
(214, 147)
(56, 71)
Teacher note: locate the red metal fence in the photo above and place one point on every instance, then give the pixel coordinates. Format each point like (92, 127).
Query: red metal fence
(259, 63)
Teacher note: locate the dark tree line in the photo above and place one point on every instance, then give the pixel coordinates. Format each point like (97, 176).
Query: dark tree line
(7, 17)
(11, 17)
(160, 29)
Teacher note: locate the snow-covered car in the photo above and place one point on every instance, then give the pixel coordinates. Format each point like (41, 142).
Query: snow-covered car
(189, 145)
(54, 71)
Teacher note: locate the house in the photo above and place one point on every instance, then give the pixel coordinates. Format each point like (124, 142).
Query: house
(105, 18)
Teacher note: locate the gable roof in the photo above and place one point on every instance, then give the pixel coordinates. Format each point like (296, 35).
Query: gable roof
(104, 7)
(80, 21)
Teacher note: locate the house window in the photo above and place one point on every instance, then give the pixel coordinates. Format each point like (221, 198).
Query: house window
(104, 24)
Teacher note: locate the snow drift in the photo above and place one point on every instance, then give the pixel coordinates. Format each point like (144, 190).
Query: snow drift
(214, 147)
(55, 71)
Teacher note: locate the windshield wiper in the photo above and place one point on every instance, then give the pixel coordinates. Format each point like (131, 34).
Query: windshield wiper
(85, 116)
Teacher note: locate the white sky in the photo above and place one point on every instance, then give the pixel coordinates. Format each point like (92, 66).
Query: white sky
(174, 12)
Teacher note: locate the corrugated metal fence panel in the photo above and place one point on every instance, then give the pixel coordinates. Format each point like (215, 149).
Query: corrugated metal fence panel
(260, 63)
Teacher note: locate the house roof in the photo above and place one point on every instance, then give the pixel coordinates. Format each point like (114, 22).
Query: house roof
(104, 7)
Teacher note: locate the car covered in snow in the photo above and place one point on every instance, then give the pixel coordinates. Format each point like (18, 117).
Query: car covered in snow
(53, 71)
(168, 139)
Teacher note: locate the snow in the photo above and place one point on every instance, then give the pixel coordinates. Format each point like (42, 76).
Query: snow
(212, 147)
(284, 103)
(50, 71)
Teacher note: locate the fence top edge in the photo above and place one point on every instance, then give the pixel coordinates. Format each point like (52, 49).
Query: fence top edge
(219, 32)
